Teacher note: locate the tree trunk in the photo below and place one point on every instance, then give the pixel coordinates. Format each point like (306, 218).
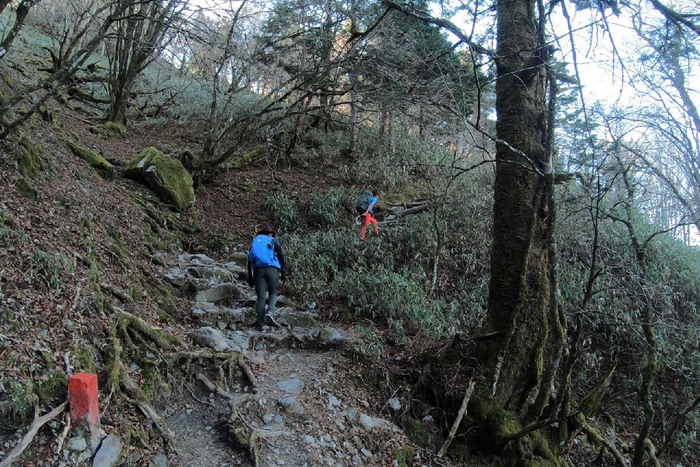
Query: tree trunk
(520, 287)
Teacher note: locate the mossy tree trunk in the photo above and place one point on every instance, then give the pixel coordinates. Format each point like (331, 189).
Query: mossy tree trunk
(519, 313)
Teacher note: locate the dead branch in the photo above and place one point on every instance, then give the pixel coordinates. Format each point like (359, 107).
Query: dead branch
(458, 420)
(249, 374)
(414, 210)
(33, 429)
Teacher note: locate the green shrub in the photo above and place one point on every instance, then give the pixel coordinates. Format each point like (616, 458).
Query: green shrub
(284, 210)
(393, 297)
(9, 230)
(324, 207)
(50, 267)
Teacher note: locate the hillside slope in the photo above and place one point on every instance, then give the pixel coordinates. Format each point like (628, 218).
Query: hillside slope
(83, 261)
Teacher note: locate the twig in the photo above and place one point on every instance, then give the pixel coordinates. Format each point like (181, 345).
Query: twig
(33, 429)
(458, 420)
(75, 299)
(201, 401)
(392, 396)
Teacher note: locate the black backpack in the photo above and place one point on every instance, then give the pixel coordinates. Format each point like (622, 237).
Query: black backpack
(362, 202)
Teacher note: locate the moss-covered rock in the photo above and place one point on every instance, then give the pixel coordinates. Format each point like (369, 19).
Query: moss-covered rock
(165, 175)
(103, 167)
(419, 433)
(53, 389)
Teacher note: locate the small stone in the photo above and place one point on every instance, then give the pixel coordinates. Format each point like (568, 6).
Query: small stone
(394, 403)
(292, 386)
(77, 444)
(159, 460)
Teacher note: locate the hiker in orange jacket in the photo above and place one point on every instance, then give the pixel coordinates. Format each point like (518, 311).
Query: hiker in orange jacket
(368, 216)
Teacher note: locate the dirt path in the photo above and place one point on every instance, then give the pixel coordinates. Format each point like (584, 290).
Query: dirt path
(306, 412)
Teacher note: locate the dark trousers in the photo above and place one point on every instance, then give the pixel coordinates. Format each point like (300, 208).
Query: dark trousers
(266, 280)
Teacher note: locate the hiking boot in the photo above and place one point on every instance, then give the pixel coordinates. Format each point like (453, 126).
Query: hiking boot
(269, 319)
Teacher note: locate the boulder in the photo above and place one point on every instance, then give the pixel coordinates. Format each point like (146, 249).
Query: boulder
(165, 175)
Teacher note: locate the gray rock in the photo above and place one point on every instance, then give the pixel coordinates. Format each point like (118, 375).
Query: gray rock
(291, 386)
(213, 275)
(330, 337)
(236, 267)
(176, 276)
(290, 404)
(195, 259)
(394, 403)
(369, 423)
(241, 340)
(109, 452)
(235, 347)
(77, 444)
(218, 293)
(333, 401)
(212, 338)
(159, 460)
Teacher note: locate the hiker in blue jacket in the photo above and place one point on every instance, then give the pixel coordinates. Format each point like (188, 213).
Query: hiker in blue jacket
(266, 265)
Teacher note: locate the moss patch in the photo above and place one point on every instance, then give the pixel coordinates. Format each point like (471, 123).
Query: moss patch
(404, 456)
(26, 189)
(419, 433)
(53, 389)
(103, 167)
(30, 160)
(246, 158)
(109, 130)
(16, 401)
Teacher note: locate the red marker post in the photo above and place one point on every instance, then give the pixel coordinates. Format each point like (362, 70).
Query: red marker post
(82, 394)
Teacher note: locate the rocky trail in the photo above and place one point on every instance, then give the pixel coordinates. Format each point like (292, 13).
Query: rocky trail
(296, 404)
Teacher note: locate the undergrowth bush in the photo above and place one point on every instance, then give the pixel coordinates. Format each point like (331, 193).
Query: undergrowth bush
(284, 210)
(385, 278)
(50, 267)
(324, 207)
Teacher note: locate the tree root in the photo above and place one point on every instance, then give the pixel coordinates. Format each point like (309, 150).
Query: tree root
(137, 397)
(162, 339)
(599, 439)
(38, 422)
(249, 374)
